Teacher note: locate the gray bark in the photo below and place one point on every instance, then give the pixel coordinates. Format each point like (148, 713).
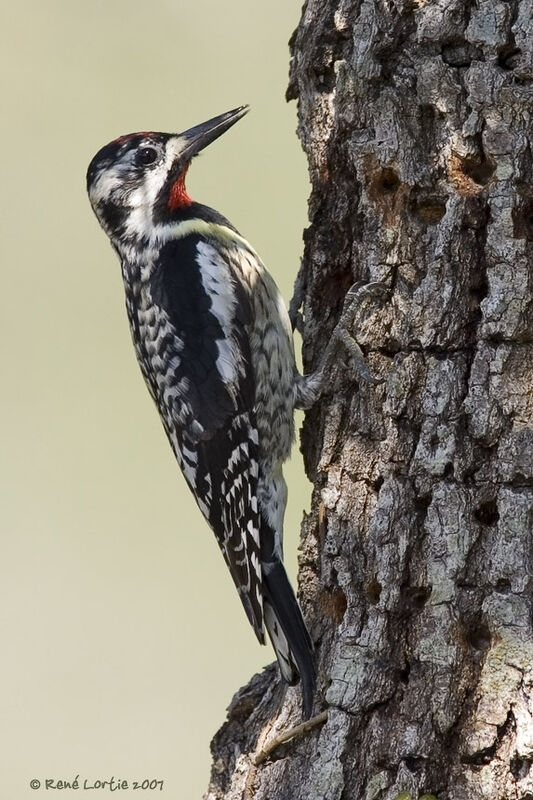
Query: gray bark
(417, 569)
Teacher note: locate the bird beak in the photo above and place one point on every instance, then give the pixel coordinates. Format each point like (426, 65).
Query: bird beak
(195, 139)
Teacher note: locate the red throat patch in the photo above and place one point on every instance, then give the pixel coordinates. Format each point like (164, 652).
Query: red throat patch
(178, 196)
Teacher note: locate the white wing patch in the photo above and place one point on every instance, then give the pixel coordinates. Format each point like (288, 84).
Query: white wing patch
(219, 285)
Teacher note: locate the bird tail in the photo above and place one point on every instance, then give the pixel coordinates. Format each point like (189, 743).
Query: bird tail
(288, 633)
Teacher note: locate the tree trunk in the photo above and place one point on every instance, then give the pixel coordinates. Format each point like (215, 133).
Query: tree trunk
(417, 569)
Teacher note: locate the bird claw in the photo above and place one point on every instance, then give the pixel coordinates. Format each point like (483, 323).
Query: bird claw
(310, 387)
(355, 297)
(360, 290)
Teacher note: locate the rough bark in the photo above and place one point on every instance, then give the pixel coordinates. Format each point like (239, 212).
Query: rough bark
(417, 568)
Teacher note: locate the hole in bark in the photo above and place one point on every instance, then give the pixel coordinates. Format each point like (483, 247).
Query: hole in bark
(458, 54)
(509, 56)
(523, 219)
(423, 502)
(448, 470)
(480, 758)
(470, 174)
(378, 483)
(388, 181)
(414, 763)
(503, 586)
(478, 636)
(373, 591)
(417, 596)
(487, 513)
(325, 79)
(334, 604)
(519, 767)
(478, 169)
(476, 213)
(429, 211)
(404, 673)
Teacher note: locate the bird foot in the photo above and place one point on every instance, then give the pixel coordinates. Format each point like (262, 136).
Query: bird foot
(354, 299)
(310, 387)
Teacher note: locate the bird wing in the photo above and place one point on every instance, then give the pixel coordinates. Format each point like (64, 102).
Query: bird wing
(207, 400)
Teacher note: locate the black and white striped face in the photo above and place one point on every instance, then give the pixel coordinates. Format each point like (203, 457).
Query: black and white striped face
(136, 176)
(126, 178)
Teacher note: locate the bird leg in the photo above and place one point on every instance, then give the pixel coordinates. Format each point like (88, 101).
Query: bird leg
(310, 387)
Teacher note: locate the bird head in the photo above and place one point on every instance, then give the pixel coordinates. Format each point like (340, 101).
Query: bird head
(139, 179)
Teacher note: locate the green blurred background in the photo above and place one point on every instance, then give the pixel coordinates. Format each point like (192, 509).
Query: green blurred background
(123, 638)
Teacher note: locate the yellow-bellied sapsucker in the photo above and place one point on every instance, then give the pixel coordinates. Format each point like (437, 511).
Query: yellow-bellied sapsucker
(214, 343)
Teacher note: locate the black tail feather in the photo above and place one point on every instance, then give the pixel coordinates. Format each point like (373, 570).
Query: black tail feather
(280, 595)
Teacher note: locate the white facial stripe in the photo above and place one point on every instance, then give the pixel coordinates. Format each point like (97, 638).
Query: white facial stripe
(114, 184)
(142, 200)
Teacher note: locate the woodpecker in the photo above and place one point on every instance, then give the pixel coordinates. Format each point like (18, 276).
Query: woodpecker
(214, 343)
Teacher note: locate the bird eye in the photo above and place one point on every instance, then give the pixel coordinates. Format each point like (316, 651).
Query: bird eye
(146, 156)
